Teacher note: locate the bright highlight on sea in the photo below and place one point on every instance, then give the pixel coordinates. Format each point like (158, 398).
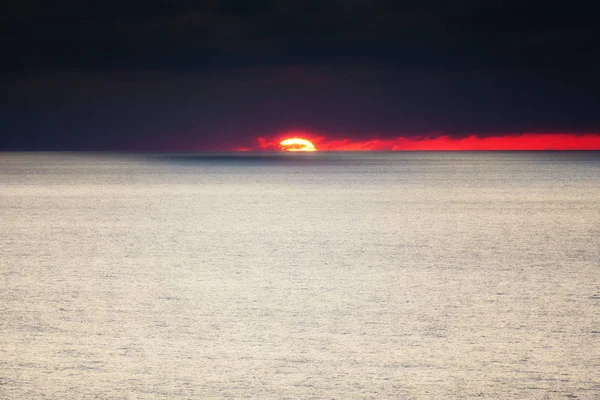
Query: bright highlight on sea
(334, 276)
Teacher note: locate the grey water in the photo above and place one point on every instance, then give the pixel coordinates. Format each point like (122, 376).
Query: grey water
(315, 276)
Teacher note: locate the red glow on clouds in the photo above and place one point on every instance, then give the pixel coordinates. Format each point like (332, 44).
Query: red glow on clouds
(526, 141)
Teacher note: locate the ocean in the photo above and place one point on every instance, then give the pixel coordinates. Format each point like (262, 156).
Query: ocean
(405, 275)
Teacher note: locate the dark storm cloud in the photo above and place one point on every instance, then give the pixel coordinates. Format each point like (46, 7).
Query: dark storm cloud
(211, 73)
(192, 34)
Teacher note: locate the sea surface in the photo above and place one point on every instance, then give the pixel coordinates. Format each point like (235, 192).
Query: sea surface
(300, 276)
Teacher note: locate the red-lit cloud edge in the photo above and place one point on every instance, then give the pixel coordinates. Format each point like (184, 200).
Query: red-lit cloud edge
(524, 141)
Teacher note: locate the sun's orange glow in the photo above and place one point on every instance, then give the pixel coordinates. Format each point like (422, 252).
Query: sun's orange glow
(522, 141)
(297, 144)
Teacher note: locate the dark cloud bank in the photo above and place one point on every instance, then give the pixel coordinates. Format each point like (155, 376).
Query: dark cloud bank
(218, 74)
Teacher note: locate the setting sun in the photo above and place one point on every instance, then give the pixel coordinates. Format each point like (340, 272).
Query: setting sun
(297, 144)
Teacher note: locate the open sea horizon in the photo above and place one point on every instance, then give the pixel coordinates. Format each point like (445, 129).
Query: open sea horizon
(351, 275)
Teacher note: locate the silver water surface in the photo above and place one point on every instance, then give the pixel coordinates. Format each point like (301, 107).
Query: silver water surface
(373, 275)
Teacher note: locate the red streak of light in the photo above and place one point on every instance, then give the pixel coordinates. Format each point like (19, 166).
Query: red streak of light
(526, 141)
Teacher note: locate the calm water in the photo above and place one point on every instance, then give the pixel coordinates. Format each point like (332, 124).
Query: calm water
(347, 276)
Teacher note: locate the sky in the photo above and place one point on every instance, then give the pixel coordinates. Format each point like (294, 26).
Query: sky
(221, 75)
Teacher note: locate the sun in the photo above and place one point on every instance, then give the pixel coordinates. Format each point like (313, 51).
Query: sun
(297, 144)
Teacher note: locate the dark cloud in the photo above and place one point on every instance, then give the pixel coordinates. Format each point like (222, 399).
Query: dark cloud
(115, 73)
(192, 34)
